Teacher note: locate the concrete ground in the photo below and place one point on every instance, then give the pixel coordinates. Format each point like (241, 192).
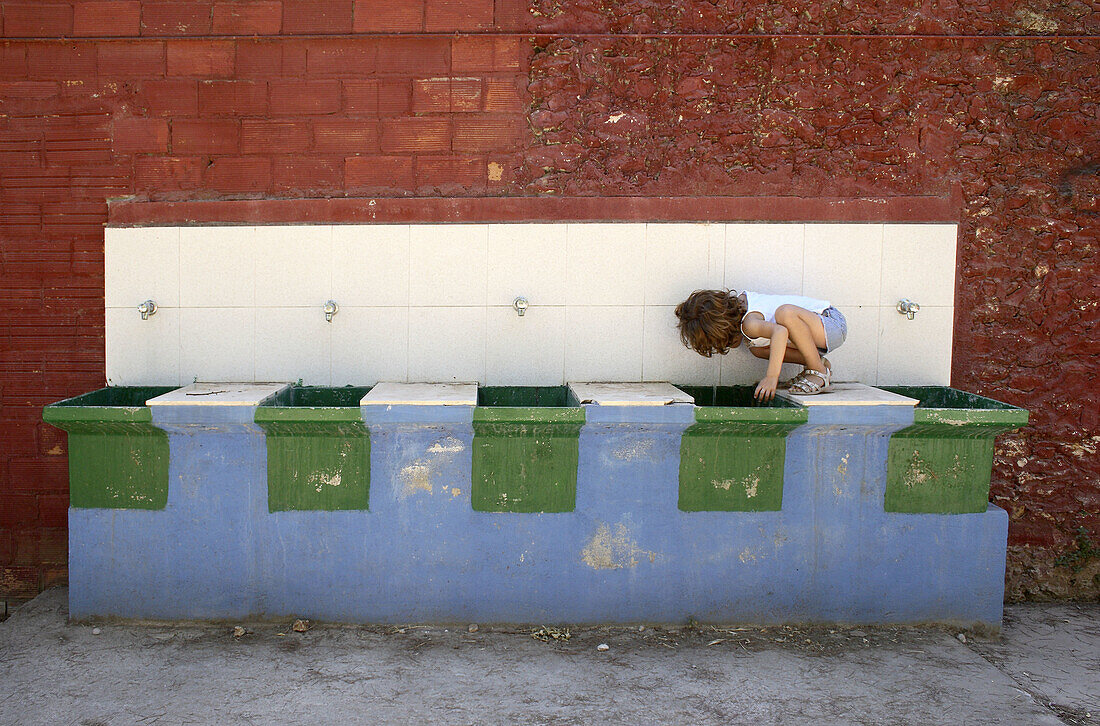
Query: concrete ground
(1044, 670)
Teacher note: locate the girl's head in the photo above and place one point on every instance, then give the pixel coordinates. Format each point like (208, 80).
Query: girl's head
(710, 321)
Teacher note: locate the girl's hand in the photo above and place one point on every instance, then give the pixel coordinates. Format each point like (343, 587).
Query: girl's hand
(765, 389)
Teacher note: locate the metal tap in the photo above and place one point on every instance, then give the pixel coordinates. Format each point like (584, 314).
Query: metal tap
(331, 308)
(521, 305)
(147, 309)
(908, 308)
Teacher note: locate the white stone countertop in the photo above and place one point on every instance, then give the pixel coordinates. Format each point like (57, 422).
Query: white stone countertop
(629, 394)
(218, 394)
(421, 394)
(850, 394)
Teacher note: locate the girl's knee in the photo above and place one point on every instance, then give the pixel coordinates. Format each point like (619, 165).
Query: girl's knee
(785, 314)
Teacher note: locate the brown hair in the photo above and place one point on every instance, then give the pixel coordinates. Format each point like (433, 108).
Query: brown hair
(710, 321)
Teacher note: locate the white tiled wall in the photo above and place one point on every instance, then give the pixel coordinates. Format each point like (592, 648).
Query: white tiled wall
(433, 302)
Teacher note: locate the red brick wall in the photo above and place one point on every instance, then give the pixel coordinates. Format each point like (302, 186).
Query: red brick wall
(998, 101)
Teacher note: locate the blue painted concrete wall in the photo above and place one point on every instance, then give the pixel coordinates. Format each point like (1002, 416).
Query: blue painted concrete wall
(627, 554)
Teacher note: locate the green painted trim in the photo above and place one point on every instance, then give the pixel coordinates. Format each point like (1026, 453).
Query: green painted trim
(727, 466)
(265, 414)
(718, 414)
(64, 417)
(1006, 419)
(525, 465)
(548, 415)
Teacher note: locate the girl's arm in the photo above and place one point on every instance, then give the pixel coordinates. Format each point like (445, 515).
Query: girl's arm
(757, 327)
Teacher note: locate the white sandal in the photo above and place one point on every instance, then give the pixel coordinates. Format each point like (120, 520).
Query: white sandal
(802, 385)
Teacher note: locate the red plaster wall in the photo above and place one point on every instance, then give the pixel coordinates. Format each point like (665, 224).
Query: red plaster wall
(994, 102)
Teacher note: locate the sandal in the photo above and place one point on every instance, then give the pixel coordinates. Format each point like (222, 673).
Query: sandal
(785, 385)
(803, 385)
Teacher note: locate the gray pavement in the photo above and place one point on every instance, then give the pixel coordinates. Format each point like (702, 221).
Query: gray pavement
(1045, 670)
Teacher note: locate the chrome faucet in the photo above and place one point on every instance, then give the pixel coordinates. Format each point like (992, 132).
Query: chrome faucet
(521, 305)
(331, 308)
(908, 308)
(147, 309)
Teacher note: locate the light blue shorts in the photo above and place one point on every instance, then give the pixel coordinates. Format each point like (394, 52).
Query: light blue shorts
(836, 329)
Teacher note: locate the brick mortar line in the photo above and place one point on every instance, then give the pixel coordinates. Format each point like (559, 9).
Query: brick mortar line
(546, 34)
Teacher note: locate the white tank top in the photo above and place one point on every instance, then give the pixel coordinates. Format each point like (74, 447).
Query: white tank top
(766, 305)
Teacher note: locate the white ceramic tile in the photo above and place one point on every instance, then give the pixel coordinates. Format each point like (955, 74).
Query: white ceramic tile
(142, 352)
(742, 368)
(765, 257)
(605, 264)
(448, 264)
(293, 343)
(628, 394)
(843, 263)
(850, 394)
(602, 343)
(217, 344)
(446, 344)
(665, 358)
(527, 260)
(915, 352)
(292, 265)
(217, 267)
(680, 258)
(370, 264)
(857, 359)
(219, 394)
(918, 262)
(141, 263)
(370, 344)
(525, 351)
(391, 393)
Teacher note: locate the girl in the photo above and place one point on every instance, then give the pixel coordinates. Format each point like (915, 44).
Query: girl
(780, 328)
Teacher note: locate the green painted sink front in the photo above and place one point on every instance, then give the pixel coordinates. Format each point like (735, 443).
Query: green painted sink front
(117, 458)
(525, 450)
(942, 463)
(732, 457)
(318, 449)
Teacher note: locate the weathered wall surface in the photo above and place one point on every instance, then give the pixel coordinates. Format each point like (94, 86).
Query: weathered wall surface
(996, 102)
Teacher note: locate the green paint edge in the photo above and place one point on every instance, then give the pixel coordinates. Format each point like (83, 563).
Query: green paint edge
(720, 414)
(525, 463)
(517, 414)
(305, 447)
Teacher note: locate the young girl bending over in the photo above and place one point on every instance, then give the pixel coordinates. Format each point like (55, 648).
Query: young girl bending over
(780, 328)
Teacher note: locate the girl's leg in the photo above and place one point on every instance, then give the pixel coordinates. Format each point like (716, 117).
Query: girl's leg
(806, 333)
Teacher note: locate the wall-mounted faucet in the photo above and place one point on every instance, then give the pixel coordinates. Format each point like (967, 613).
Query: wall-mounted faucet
(331, 308)
(908, 308)
(147, 309)
(521, 305)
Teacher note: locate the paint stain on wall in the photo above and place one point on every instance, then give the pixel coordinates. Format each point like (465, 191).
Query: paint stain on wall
(416, 477)
(613, 550)
(641, 448)
(321, 479)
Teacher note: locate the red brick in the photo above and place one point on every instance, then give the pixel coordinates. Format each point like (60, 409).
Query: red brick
(38, 475)
(341, 57)
(488, 134)
(54, 61)
(140, 135)
(361, 97)
(416, 135)
(346, 136)
(204, 58)
(380, 16)
(238, 98)
(379, 172)
(317, 16)
(175, 18)
(307, 173)
(37, 90)
(13, 61)
(173, 97)
(19, 581)
(431, 94)
(238, 174)
(259, 59)
(304, 97)
(38, 19)
(512, 15)
(107, 17)
(466, 94)
(475, 54)
(167, 173)
(249, 17)
(260, 137)
(7, 548)
(52, 441)
(204, 137)
(142, 58)
(413, 56)
(53, 510)
(446, 171)
(505, 94)
(445, 16)
(394, 97)
(17, 510)
(53, 577)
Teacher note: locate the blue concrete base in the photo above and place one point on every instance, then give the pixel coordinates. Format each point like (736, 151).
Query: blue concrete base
(627, 554)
